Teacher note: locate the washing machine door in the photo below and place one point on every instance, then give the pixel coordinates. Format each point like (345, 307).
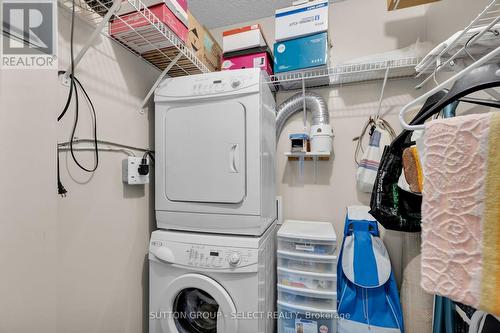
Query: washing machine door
(198, 304)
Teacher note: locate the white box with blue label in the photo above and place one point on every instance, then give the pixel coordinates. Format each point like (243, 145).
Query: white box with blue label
(302, 20)
(301, 53)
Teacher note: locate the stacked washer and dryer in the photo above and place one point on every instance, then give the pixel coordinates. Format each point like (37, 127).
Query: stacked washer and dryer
(212, 263)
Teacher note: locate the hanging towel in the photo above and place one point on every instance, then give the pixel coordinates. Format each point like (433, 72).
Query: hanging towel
(461, 210)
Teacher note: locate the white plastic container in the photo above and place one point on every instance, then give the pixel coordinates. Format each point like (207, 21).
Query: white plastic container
(306, 246)
(307, 237)
(321, 138)
(326, 300)
(307, 262)
(292, 319)
(307, 280)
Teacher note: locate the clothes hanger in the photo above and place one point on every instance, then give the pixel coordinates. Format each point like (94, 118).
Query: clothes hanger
(478, 65)
(479, 78)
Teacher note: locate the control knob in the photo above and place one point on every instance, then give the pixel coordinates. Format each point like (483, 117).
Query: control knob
(235, 83)
(234, 259)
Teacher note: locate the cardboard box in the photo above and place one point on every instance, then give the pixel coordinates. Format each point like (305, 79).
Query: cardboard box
(204, 44)
(301, 53)
(395, 4)
(151, 37)
(176, 6)
(302, 20)
(243, 38)
(261, 60)
(253, 50)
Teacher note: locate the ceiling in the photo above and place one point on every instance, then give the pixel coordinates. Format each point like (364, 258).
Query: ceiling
(220, 13)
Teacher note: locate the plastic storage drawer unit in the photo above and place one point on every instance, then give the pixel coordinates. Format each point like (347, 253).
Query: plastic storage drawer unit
(293, 319)
(307, 262)
(307, 237)
(307, 280)
(307, 298)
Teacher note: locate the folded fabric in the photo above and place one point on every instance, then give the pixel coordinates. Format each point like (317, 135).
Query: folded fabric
(461, 210)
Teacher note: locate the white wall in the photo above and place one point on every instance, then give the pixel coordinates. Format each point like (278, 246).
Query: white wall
(358, 28)
(76, 264)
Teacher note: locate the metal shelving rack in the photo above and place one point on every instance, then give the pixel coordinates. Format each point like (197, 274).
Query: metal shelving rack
(481, 28)
(346, 74)
(176, 59)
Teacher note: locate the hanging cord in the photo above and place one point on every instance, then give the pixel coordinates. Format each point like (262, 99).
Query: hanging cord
(74, 85)
(75, 125)
(374, 122)
(72, 62)
(60, 187)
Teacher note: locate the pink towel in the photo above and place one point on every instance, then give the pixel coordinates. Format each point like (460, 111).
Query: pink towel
(460, 210)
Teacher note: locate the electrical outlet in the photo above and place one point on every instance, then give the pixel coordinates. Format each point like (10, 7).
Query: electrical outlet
(130, 172)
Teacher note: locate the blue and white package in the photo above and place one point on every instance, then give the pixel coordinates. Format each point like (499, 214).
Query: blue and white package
(301, 53)
(301, 20)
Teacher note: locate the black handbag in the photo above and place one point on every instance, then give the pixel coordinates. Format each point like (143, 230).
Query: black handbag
(393, 207)
(397, 209)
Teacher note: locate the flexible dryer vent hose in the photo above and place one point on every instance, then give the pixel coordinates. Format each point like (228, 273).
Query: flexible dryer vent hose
(314, 103)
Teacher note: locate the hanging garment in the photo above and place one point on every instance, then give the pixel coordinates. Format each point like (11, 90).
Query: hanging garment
(369, 300)
(461, 210)
(381, 135)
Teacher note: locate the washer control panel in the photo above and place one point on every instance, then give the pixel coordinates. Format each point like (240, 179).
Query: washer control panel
(208, 256)
(218, 257)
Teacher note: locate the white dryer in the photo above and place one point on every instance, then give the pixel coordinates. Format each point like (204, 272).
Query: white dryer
(215, 153)
(204, 283)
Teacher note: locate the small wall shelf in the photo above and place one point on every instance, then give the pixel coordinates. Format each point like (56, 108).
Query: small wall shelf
(309, 156)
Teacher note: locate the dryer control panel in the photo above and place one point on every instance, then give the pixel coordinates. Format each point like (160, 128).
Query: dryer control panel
(215, 83)
(204, 256)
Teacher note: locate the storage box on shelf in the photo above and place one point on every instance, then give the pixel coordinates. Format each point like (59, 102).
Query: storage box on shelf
(246, 47)
(204, 44)
(261, 60)
(313, 52)
(305, 19)
(157, 36)
(178, 7)
(307, 276)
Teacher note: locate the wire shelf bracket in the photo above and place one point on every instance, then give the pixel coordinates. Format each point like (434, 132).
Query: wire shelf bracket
(483, 23)
(175, 59)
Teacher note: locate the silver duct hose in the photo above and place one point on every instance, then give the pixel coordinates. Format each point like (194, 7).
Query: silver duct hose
(314, 103)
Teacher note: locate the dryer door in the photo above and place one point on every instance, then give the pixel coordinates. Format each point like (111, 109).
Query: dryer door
(205, 153)
(198, 304)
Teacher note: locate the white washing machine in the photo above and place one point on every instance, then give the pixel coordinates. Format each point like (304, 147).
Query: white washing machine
(215, 153)
(204, 283)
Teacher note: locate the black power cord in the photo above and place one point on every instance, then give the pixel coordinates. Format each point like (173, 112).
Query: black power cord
(144, 166)
(74, 85)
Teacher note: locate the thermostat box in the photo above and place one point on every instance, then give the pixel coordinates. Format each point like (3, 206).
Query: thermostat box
(243, 38)
(313, 51)
(302, 20)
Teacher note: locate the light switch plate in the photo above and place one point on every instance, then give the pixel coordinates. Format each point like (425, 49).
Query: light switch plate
(130, 171)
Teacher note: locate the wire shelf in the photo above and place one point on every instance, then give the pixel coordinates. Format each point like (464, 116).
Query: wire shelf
(482, 34)
(154, 42)
(346, 74)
